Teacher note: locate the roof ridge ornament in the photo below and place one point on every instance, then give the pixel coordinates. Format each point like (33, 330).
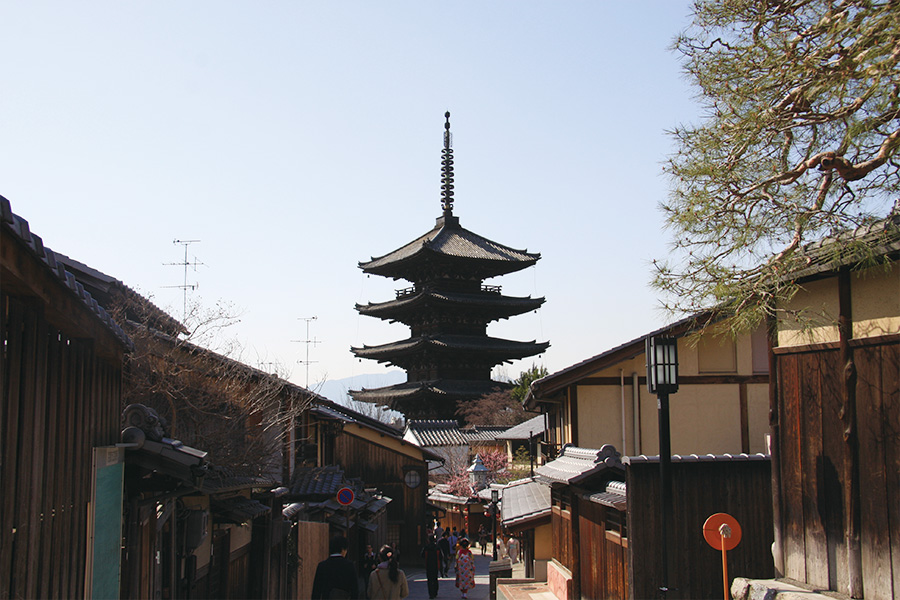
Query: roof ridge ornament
(447, 169)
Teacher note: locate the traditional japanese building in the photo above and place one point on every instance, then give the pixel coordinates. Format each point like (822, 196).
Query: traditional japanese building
(448, 356)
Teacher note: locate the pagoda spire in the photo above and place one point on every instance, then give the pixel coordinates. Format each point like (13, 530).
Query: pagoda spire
(447, 170)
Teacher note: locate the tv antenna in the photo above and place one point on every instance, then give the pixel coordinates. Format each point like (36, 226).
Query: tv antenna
(308, 342)
(185, 286)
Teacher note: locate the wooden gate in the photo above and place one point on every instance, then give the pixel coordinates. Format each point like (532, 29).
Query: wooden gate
(312, 548)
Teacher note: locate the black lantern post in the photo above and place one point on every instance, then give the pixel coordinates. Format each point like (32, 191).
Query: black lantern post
(495, 497)
(662, 380)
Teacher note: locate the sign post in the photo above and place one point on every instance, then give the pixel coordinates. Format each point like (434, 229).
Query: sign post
(722, 532)
(345, 497)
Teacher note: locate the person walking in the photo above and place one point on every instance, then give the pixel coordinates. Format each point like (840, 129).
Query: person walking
(335, 576)
(432, 555)
(367, 565)
(465, 568)
(388, 582)
(444, 546)
(482, 538)
(454, 546)
(513, 549)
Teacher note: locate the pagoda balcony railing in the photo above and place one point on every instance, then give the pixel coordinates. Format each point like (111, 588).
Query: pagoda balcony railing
(489, 289)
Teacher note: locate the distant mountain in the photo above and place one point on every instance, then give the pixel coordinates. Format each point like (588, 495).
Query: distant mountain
(337, 390)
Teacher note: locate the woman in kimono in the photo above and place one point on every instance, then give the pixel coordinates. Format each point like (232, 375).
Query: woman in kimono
(465, 568)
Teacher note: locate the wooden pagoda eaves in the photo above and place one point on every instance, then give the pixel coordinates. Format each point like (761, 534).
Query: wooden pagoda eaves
(450, 247)
(494, 306)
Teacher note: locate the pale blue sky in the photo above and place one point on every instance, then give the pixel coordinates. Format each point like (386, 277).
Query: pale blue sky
(295, 139)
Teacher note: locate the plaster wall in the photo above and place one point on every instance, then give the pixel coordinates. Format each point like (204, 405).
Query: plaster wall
(758, 417)
(543, 542)
(240, 536)
(816, 307)
(704, 419)
(600, 416)
(875, 301)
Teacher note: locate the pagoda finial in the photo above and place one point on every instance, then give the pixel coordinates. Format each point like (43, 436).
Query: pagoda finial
(447, 170)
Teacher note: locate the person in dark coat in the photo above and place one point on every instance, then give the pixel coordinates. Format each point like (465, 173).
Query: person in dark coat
(443, 545)
(336, 575)
(432, 555)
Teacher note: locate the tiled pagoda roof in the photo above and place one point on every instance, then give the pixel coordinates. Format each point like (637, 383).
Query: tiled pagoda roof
(496, 306)
(449, 242)
(496, 349)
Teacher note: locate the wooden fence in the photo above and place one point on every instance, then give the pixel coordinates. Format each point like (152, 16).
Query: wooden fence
(60, 399)
(741, 488)
(813, 455)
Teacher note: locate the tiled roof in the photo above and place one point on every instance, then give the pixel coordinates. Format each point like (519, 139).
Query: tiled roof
(333, 410)
(576, 464)
(691, 458)
(435, 495)
(482, 434)
(453, 388)
(533, 427)
(614, 496)
(18, 227)
(237, 509)
(436, 433)
(524, 500)
(448, 239)
(881, 238)
(317, 481)
(498, 305)
(104, 288)
(499, 348)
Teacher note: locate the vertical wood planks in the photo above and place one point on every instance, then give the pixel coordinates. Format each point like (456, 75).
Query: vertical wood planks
(875, 523)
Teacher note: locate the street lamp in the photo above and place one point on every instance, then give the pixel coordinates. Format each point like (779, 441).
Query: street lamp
(495, 496)
(662, 380)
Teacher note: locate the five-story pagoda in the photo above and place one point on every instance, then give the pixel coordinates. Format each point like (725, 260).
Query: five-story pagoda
(448, 356)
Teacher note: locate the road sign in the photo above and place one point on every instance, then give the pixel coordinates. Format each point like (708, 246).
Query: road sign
(345, 496)
(713, 535)
(722, 532)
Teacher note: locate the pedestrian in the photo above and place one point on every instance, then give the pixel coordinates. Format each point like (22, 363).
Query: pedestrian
(368, 564)
(513, 549)
(336, 576)
(482, 538)
(432, 555)
(438, 530)
(444, 546)
(454, 546)
(465, 568)
(388, 582)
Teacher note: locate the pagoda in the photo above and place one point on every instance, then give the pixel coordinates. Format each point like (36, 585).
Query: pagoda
(448, 356)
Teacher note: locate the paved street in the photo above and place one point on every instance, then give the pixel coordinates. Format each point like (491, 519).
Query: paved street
(418, 585)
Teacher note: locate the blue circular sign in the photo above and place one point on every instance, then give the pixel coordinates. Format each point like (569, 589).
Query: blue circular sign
(345, 496)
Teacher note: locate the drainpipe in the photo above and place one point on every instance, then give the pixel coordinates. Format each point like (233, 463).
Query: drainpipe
(622, 394)
(636, 407)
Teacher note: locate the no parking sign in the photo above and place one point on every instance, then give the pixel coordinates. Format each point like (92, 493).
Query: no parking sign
(345, 496)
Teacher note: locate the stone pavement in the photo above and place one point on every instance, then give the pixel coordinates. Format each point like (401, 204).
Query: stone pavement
(418, 584)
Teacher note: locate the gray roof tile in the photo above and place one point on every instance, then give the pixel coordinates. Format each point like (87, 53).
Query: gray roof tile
(523, 501)
(576, 464)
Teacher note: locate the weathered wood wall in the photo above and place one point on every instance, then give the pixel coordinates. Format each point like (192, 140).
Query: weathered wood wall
(699, 489)
(812, 452)
(604, 552)
(383, 468)
(59, 401)
(312, 548)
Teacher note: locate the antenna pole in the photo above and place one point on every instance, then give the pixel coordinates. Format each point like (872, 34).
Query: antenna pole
(307, 341)
(186, 263)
